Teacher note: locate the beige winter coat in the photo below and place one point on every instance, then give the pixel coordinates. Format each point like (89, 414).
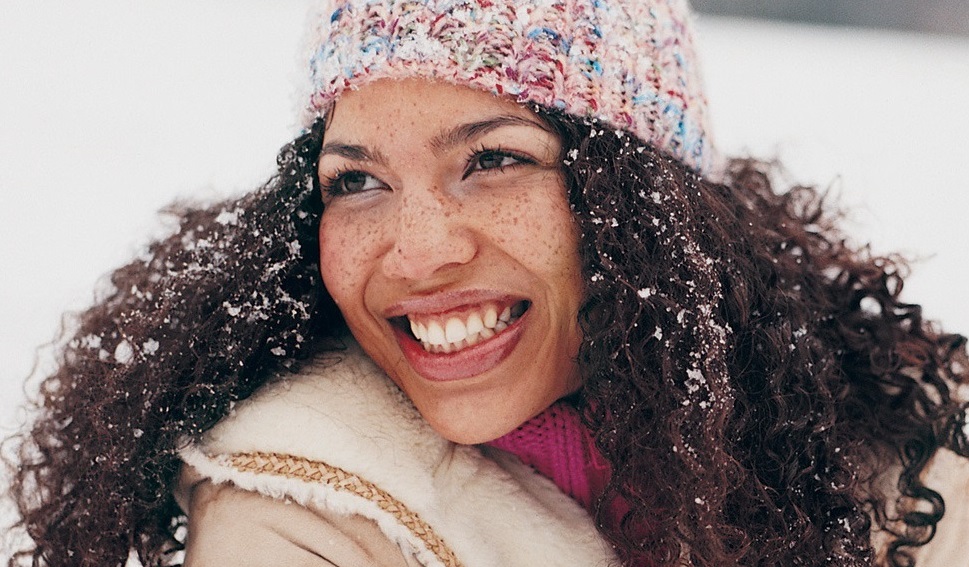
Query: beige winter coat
(373, 485)
(385, 488)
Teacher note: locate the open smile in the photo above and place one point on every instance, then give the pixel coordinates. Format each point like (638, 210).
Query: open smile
(458, 331)
(463, 342)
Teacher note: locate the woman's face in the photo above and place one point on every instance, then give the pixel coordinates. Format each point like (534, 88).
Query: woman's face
(448, 244)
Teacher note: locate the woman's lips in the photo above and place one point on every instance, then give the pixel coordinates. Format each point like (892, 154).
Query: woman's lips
(465, 363)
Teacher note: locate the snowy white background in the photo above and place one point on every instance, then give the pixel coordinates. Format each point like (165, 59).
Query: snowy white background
(109, 109)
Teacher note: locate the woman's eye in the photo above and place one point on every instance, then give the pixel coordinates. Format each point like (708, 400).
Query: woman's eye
(495, 160)
(490, 160)
(351, 182)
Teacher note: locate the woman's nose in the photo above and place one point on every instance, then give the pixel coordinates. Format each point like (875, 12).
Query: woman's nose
(430, 233)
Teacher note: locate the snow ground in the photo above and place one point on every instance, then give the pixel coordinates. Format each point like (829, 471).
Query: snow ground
(110, 109)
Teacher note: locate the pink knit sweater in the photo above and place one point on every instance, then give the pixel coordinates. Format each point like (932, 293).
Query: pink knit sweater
(557, 445)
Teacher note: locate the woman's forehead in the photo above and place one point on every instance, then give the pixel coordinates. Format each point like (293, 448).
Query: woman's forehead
(446, 113)
(429, 97)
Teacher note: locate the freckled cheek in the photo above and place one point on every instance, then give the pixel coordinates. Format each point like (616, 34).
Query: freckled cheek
(540, 232)
(344, 251)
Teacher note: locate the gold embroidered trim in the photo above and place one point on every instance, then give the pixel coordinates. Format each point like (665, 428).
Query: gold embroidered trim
(316, 472)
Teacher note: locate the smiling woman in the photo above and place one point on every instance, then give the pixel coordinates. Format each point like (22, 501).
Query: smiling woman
(450, 249)
(503, 304)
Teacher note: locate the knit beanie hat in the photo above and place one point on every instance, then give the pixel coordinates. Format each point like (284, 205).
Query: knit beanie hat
(629, 63)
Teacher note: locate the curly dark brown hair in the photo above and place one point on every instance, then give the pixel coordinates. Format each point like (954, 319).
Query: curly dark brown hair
(747, 373)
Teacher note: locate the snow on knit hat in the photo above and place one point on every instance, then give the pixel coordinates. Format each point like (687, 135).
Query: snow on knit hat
(628, 63)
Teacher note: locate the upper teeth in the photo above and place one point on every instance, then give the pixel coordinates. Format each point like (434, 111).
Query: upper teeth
(454, 334)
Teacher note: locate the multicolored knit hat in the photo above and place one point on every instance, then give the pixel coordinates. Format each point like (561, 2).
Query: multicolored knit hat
(628, 63)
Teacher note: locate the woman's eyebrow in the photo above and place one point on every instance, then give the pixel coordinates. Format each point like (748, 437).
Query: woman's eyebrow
(354, 152)
(463, 133)
(460, 134)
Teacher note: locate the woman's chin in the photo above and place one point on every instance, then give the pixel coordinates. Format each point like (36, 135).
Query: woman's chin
(471, 433)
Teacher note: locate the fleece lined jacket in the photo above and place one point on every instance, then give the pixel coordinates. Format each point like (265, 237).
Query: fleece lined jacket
(341, 439)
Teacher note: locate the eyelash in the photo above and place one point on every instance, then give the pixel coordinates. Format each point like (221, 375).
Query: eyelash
(475, 156)
(332, 185)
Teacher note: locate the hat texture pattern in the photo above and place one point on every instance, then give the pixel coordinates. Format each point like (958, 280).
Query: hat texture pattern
(630, 64)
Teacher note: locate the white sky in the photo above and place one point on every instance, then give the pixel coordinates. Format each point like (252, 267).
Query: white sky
(109, 109)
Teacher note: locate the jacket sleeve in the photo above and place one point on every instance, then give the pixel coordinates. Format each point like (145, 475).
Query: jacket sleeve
(949, 475)
(232, 526)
